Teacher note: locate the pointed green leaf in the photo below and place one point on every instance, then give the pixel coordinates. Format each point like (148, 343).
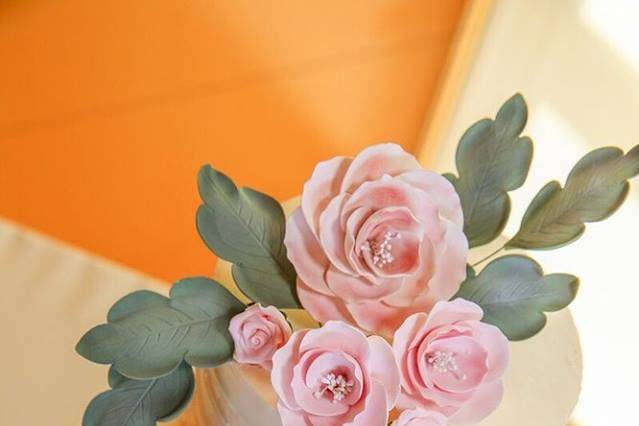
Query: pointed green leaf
(148, 335)
(491, 159)
(514, 294)
(246, 228)
(470, 271)
(141, 402)
(595, 188)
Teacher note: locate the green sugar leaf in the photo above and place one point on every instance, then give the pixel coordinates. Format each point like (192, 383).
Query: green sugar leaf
(148, 335)
(132, 402)
(246, 228)
(514, 294)
(492, 158)
(595, 188)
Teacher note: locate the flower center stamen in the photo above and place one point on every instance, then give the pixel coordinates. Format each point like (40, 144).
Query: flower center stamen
(444, 362)
(381, 251)
(336, 384)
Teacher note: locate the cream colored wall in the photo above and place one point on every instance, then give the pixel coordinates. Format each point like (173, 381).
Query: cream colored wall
(575, 61)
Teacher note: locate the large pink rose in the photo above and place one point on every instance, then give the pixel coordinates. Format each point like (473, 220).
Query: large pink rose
(333, 376)
(451, 362)
(376, 239)
(420, 417)
(257, 333)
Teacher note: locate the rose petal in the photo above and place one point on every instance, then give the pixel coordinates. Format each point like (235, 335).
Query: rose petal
(304, 392)
(407, 257)
(397, 218)
(353, 225)
(450, 264)
(337, 363)
(322, 307)
(497, 348)
(403, 340)
(446, 313)
(350, 288)
(419, 383)
(405, 246)
(374, 317)
(323, 185)
(376, 161)
(470, 357)
(282, 373)
(305, 253)
(383, 368)
(441, 191)
(375, 410)
(421, 417)
(414, 290)
(484, 401)
(292, 418)
(382, 318)
(258, 332)
(332, 234)
(338, 336)
(391, 192)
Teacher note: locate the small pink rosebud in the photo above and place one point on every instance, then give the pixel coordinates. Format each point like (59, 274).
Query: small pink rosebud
(258, 332)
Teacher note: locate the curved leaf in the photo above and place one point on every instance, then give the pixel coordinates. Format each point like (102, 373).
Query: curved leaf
(491, 159)
(246, 228)
(514, 294)
(148, 335)
(141, 402)
(595, 188)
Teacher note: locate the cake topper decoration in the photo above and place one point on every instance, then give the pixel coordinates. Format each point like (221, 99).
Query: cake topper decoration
(376, 254)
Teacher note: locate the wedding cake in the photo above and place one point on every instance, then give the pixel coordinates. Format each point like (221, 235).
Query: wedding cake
(385, 293)
(542, 383)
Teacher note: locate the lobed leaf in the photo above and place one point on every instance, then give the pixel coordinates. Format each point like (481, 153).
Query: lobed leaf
(148, 335)
(595, 188)
(491, 159)
(514, 294)
(246, 228)
(132, 402)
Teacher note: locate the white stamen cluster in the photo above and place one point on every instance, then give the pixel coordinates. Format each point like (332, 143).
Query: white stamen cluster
(445, 362)
(337, 385)
(381, 252)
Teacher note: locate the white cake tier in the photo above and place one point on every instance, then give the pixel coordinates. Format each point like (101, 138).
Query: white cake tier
(542, 383)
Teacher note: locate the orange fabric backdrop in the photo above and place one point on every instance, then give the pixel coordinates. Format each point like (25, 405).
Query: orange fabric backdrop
(107, 109)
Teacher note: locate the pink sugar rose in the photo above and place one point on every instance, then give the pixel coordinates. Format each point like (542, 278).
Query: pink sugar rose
(451, 362)
(420, 417)
(376, 239)
(258, 332)
(333, 376)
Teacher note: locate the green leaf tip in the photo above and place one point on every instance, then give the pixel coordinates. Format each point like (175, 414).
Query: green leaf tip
(492, 159)
(141, 402)
(246, 228)
(514, 294)
(148, 335)
(595, 188)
